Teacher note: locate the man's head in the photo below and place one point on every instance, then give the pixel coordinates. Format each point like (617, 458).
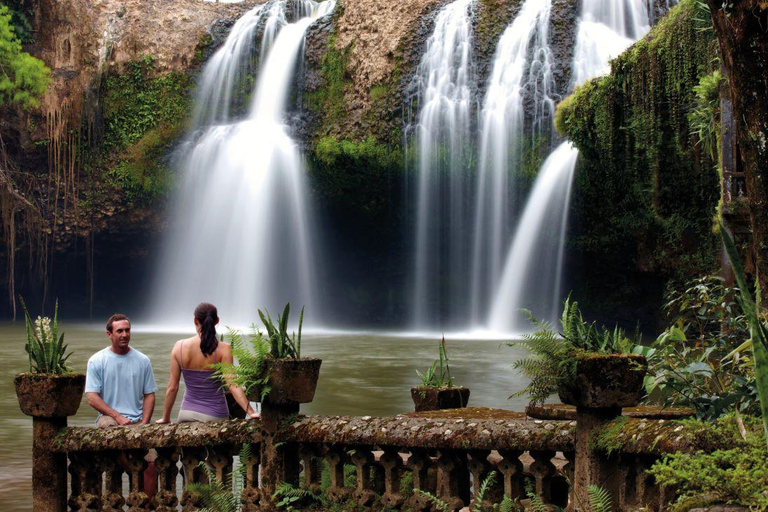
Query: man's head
(119, 333)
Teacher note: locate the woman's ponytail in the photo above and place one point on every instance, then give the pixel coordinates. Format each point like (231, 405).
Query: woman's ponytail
(207, 316)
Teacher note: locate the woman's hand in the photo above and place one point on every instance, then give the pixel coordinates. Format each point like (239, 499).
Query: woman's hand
(163, 421)
(252, 415)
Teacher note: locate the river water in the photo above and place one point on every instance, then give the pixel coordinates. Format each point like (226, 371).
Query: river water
(362, 374)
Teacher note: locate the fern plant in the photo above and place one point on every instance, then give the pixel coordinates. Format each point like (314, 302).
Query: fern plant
(439, 374)
(555, 354)
(253, 351)
(45, 346)
(218, 496)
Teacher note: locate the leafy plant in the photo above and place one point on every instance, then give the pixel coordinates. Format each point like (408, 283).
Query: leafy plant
(555, 355)
(23, 78)
(45, 346)
(281, 344)
(599, 499)
(254, 351)
(737, 476)
(439, 374)
(758, 329)
(218, 496)
(689, 364)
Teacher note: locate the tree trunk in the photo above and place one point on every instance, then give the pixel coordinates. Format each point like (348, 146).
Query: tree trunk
(742, 30)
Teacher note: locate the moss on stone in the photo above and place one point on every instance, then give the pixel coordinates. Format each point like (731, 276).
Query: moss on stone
(644, 192)
(144, 115)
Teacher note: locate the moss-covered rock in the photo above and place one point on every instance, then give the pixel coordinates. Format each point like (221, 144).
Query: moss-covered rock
(644, 193)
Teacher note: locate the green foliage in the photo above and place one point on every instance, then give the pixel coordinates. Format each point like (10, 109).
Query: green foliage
(218, 496)
(758, 327)
(23, 78)
(282, 345)
(599, 499)
(737, 476)
(252, 354)
(688, 363)
(439, 374)
(143, 114)
(555, 355)
(291, 498)
(46, 348)
(644, 194)
(705, 116)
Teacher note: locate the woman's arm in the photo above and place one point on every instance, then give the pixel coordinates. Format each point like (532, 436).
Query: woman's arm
(237, 391)
(173, 385)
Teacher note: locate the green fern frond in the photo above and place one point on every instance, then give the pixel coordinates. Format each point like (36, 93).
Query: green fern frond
(599, 499)
(487, 483)
(436, 502)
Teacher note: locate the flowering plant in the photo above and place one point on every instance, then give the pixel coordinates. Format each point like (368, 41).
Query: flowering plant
(46, 349)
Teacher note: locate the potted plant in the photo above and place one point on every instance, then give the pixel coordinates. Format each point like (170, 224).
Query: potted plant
(270, 368)
(585, 365)
(437, 390)
(49, 389)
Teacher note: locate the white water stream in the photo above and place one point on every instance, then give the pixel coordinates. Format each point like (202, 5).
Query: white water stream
(522, 71)
(241, 232)
(606, 29)
(442, 140)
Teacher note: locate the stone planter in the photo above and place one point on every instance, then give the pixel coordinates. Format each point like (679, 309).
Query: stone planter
(292, 381)
(49, 396)
(606, 381)
(434, 399)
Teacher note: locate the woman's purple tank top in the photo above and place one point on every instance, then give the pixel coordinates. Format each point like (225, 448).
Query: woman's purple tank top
(203, 393)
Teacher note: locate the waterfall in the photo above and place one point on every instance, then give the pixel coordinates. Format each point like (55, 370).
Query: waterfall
(441, 141)
(522, 73)
(240, 234)
(606, 28)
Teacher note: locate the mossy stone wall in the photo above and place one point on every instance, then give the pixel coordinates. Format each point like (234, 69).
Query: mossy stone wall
(645, 193)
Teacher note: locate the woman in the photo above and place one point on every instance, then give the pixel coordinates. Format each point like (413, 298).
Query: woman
(204, 399)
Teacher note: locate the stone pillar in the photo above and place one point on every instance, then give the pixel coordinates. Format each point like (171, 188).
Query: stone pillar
(49, 469)
(592, 467)
(279, 463)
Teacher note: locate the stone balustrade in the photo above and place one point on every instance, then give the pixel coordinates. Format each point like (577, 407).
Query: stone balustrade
(442, 455)
(367, 459)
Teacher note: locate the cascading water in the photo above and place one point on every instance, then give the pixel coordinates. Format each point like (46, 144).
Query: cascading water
(240, 234)
(606, 29)
(522, 73)
(441, 139)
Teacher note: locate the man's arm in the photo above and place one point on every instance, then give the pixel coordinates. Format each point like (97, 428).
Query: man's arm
(149, 407)
(95, 401)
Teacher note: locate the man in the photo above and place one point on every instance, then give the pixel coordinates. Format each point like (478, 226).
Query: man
(119, 381)
(120, 385)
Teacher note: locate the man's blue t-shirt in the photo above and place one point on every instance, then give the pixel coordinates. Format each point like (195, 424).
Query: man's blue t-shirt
(121, 380)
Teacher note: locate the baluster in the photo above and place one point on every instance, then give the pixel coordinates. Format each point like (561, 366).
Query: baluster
(564, 483)
(392, 464)
(113, 499)
(627, 481)
(166, 500)
(512, 469)
(336, 457)
(543, 471)
(480, 468)
(419, 463)
(251, 495)
(193, 473)
(137, 500)
(309, 460)
(362, 458)
(220, 462)
(86, 482)
(453, 479)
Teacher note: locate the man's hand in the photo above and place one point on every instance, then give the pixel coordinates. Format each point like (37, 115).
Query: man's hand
(122, 420)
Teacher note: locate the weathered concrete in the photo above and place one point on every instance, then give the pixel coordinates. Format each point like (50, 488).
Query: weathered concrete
(49, 469)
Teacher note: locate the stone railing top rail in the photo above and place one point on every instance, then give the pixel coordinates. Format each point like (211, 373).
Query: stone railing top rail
(482, 431)
(133, 437)
(645, 436)
(479, 429)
